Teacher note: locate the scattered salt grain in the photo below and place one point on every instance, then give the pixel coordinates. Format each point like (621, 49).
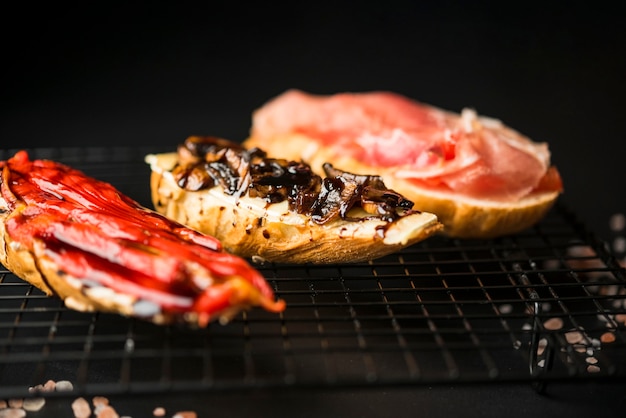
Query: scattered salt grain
(580, 348)
(621, 318)
(541, 346)
(185, 414)
(107, 412)
(64, 386)
(593, 368)
(553, 324)
(591, 360)
(99, 402)
(81, 408)
(159, 412)
(49, 386)
(574, 337)
(33, 404)
(12, 413)
(16, 403)
(506, 308)
(607, 337)
(35, 389)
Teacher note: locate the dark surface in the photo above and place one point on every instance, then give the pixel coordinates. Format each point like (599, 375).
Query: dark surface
(593, 400)
(102, 75)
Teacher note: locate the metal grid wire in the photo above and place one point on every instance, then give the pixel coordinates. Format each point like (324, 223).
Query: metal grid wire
(546, 304)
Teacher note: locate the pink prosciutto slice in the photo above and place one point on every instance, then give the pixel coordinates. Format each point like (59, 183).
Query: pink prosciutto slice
(473, 156)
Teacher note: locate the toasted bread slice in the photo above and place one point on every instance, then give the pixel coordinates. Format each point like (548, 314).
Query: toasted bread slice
(254, 227)
(480, 177)
(463, 217)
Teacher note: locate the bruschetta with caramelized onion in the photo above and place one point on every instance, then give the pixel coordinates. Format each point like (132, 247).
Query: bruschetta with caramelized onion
(481, 178)
(279, 210)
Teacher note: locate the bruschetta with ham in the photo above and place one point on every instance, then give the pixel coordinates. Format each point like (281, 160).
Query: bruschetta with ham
(279, 210)
(480, 177)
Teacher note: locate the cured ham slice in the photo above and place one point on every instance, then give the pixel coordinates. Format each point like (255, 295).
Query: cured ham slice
(420, 150)
(470, 155)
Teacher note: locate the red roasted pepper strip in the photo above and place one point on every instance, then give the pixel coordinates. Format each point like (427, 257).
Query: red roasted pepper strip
(95, 233)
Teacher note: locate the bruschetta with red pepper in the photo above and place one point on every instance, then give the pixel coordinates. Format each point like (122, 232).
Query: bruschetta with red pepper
(81, 240)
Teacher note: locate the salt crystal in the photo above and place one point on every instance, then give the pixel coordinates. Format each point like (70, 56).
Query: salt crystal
(100, 401)
(107, 412)
(64, 386)
(159, 412)
(553, 324)
(593, 369)
(541, 346)
(607, 337)
(49, 386)
(574, 337)
(34, 389)
(81, 408)
(12, 413)
(506, 308)
(33, 404)
(16, 403)
(185, 414)
(580, 348)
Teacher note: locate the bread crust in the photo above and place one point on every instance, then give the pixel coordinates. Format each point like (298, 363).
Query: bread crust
(39, 270)
(462, 217)
(252, 228)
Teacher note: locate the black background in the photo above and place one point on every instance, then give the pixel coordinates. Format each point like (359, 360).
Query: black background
(105, 73)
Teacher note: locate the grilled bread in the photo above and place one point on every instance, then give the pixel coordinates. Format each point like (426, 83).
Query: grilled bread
(279, 210)
(481, 178)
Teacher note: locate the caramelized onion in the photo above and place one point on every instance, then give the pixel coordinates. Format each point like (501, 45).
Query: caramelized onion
(205, 162)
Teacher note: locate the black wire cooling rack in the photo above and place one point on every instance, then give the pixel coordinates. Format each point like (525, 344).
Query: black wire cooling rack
(544, 305)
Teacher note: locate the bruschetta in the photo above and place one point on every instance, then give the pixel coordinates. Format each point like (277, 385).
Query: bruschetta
(480, 177)
(81, 240)
(277, 210)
